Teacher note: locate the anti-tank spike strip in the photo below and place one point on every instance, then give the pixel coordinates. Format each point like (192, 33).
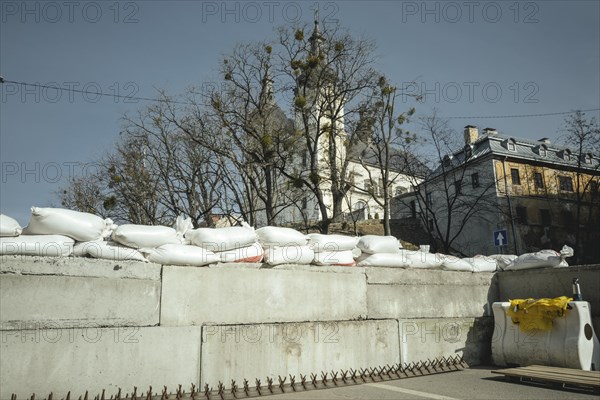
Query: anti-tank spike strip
(343, 377)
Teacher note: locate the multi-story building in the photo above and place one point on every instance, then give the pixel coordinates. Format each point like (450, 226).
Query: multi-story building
(543, 195)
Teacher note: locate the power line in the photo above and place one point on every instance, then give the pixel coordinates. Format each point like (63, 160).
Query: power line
(524, 115)
(114, 95)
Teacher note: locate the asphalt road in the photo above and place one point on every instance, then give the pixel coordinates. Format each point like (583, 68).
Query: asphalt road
(474, 383)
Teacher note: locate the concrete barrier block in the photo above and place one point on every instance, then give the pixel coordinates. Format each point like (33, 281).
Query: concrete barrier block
(429, 301)
(79, 266)
(268, 350)
(430, 277)
(67, 301)
(196, 296)
(428, 338)
(79, 359)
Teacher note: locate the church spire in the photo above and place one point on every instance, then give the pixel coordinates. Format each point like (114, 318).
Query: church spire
(316, 38)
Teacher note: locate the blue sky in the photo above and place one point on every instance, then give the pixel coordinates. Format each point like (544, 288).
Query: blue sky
(481, 58)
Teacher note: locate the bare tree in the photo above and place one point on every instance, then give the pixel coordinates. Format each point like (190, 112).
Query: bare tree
(330, 73)
(447, 205)
(583, 136)
(383, 136)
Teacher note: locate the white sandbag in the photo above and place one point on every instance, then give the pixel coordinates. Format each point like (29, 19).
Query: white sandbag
(180, 254)
(80, 226)
(424, 260)
(9, 226)
(277, 236)
(503, 260)
(37, 245)
(343, 257)
(249, 254)
(107, 251)
(387, 260)
(451, 263)
(483, 263)
(275, 255)
(373, 244)
(541, 259)
(320, 242)
(144, 236)
(222, 239)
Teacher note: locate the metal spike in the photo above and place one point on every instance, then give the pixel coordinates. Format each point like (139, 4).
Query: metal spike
(313, 379)
(50, 396)
(292, 382)
(118, 396)
(324, 378)
(86, 395)
(68, 395)
(207, 391)
(270, 384)
(33, 396)
(303, 379)
(334, 377)
(246, 387)
(258, 387)
(281, 382)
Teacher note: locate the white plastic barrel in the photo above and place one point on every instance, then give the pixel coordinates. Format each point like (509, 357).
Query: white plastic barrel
(571, 343)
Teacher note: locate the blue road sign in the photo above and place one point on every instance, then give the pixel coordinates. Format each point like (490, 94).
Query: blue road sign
(500, 238)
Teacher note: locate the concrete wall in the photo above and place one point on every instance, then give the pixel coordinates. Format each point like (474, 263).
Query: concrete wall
(78, 324)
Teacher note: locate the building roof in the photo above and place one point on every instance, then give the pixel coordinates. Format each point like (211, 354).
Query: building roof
(399, 160)
(542, 152)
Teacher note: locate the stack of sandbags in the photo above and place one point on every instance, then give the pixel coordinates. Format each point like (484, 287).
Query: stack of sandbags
(53, 232)
(541, 259)
(381, 251)
(285, 246)
(235, 244)
(334, 249)
(163, 244)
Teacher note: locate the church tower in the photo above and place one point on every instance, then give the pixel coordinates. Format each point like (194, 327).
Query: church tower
(325, 109)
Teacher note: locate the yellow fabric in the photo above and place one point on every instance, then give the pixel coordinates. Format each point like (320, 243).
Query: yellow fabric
(531, 314)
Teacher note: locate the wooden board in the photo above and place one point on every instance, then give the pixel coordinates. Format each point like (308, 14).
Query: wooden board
(554, 375)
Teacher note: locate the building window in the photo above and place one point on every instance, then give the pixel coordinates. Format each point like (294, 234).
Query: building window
(413, 209)
(304, 158)
(565, 183)
(542, 151)
(538, 179)
(594, 188)
(381, 188)
(430, 224)
(566, 155)
(522, 215)
(458, 187)
(468, 152)
(567, 219)
(304, 204)
(514, 176)
(587, 158)
(475, 180)
(510, 145)
(545, 217)
(446, 161)
(429, 199)
(368, 186)
(401, 190)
